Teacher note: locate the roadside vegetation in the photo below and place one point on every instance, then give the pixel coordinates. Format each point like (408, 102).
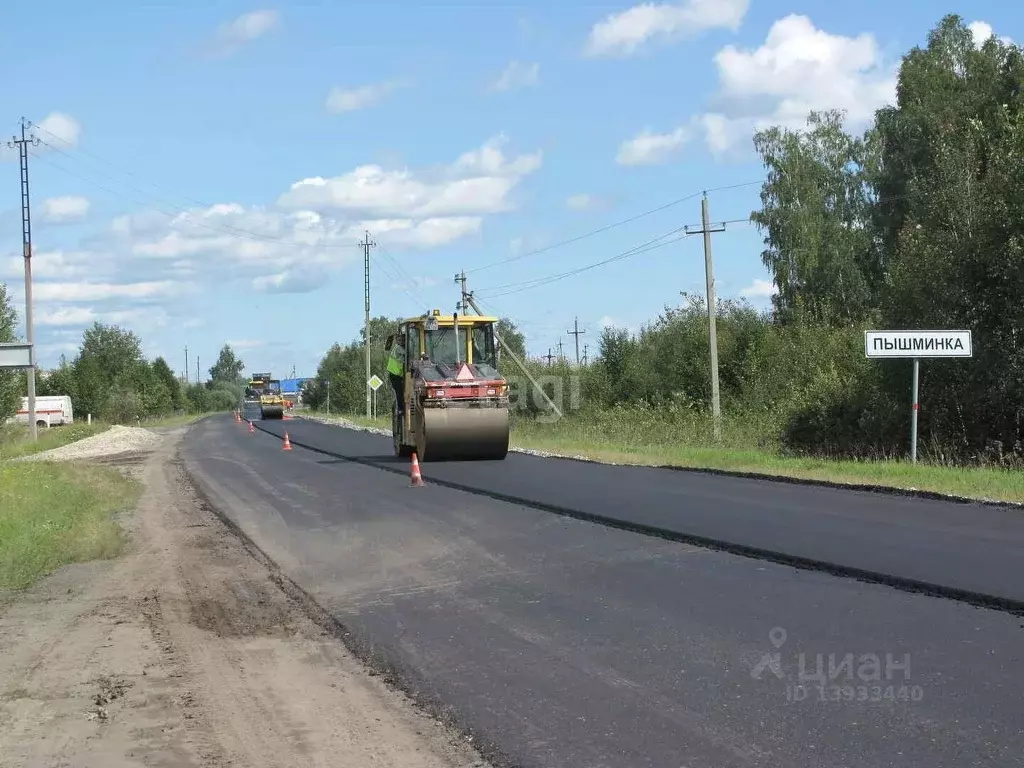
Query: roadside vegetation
(52, 514)
(917, 222)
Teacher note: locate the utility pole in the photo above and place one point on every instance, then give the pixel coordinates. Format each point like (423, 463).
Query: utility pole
(460, 279)
(585, 347)
(186, 365)
(367, 245)
(561, 357)
(577, 333)
(26, 242)
(706, 230)
(197, 370)
(549, 357)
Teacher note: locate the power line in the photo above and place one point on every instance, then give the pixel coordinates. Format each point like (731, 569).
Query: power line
(224, 229)
(81, 150)
(608, 227)
(650, 245)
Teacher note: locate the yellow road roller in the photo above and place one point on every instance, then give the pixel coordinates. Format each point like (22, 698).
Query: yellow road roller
(455, 404)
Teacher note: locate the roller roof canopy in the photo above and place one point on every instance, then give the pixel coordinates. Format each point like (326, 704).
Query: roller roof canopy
(446, 320)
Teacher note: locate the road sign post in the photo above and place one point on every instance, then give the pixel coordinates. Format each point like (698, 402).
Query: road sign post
(375, 381)
(915, 345)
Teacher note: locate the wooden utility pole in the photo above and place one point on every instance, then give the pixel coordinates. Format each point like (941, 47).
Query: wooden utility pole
(706, 230)
(549, 357)
(561, 356)
(22, 145)
(577, 333)
(186, 365)
(367, 244)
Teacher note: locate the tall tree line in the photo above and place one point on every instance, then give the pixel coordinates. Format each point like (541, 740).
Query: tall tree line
(111, 378)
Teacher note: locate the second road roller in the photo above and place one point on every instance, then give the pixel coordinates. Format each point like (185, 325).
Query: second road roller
(455, 405)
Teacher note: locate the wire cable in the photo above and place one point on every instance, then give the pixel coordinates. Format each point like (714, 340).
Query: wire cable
(614, 225)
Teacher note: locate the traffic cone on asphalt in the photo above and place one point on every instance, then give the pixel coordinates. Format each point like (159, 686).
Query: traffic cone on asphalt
(251, 428)
(417, 478)
(287, 443)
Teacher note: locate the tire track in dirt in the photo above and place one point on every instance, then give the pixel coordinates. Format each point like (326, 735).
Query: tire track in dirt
(187, 651)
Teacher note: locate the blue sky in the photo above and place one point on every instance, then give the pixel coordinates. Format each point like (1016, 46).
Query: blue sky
(208, 169)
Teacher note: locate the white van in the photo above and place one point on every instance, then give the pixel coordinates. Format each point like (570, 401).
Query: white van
(50, 411)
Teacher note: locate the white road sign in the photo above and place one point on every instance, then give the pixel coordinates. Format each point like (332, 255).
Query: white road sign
(917, 344)
(375, 382)
(15, 355)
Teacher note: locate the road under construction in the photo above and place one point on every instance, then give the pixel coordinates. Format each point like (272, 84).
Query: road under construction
(569, 613)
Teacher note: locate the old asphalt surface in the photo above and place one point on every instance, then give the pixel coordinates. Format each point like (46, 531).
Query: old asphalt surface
(562, 642)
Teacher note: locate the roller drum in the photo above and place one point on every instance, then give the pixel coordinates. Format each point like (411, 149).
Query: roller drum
(463, 434)
(273, 412)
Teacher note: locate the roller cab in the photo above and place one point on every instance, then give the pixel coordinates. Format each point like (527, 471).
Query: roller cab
(456, 403)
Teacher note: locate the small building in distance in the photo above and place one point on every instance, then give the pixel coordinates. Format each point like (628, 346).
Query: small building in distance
(291, 389)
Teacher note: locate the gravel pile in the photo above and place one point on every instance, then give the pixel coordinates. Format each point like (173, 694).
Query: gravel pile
(115, 440)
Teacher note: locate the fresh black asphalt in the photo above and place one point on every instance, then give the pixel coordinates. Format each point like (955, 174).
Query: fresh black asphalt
(972, 551)
(566, 644)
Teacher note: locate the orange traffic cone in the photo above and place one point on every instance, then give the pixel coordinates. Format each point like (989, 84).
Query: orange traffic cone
(238, 416)
(251, 428)
(287, 443)
(417, 478)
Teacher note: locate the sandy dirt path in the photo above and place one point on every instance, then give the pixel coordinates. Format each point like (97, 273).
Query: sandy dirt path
(186, 652)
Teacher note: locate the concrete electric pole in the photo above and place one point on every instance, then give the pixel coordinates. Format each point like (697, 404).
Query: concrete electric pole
(706, 230)
(367, 244)
(577, 333)
(22, 145)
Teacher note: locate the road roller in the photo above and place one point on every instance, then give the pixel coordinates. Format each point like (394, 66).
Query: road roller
(266, 392)
(455, 405)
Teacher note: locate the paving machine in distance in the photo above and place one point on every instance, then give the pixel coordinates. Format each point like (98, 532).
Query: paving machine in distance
(266, 391)
(456, 404)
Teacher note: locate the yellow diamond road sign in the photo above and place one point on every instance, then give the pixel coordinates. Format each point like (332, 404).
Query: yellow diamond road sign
(375, 382)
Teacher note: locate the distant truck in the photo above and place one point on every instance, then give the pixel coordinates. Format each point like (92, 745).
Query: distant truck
(51, 411)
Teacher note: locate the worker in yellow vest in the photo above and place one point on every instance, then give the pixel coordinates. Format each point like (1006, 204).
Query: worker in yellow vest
(396, 369)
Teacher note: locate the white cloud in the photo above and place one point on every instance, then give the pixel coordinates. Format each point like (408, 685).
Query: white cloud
(580, 202)
(350, 99)
(652, 148)
(982, 31)
(516, 75)
(799, 68)
(57, 210)
(55, 264)
(610, 322)
(624, 33)
(70, 292)
(244, 29)
(59, 128)
(759, 289)
(82, 316)
(246, 343)
(477, 183)
(294, 280)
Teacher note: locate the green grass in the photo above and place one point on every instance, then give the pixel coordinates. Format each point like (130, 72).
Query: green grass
(52, 514)
(15, 438)
(683, 439)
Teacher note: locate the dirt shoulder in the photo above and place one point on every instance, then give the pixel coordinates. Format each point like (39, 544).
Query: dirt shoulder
(185, 652)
